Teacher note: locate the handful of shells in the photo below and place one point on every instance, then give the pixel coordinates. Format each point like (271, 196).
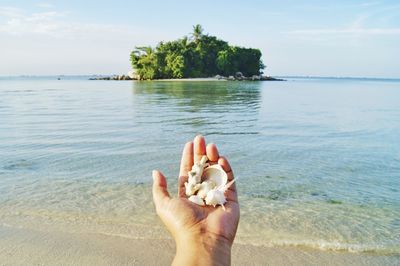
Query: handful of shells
(207, 184)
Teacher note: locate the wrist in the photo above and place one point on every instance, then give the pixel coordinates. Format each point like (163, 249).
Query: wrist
(205, 249)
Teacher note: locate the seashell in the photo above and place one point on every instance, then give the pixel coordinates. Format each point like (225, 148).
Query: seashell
(205, 187)
(194, 176)
(215, 197)
(196, 199)
(212, 189)
(190, 189)
(216, 174)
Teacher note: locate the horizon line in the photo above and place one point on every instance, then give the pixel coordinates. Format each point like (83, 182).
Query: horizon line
(277, 76)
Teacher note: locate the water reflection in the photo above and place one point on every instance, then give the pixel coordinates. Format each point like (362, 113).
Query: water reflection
(207, 107)
(197, 95)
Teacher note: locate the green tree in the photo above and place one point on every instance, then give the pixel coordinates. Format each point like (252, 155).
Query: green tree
(175, 65)
(200, 56)
(197, 32)
(144, 60)
(227, 62)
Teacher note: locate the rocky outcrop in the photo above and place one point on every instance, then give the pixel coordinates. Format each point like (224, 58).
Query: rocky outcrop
(239, 77)
(115, 77)
(133, 75)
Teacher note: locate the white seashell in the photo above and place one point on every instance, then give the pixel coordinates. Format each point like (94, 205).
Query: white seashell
(196, 199)
(205, 187)
(216, 174)
(190, 189)
(213, 187)
(194, 176)
(215, 197)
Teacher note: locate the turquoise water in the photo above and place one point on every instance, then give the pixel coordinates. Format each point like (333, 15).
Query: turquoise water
(317, 160)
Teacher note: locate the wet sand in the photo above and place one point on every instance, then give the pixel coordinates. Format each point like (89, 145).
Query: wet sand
(20, 246)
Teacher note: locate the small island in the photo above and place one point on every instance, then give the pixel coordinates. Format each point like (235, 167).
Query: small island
(197, 56)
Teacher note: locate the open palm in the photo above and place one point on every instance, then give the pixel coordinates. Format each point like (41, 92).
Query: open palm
(185, 219)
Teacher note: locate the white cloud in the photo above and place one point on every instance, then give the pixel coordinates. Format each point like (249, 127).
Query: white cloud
(358, 27)
(17, 22)
(368, 4)
(56, 25)
(44, 5)
(348, 31)
(10, 12)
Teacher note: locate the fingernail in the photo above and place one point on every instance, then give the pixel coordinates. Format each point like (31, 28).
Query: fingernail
(154, 173)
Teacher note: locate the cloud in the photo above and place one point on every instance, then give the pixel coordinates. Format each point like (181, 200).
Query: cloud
(57, 25)
(56, 28)
(348, 31)
(10, 12)
(54, 24)
(368, 4)
(17, 22)
(361, 26)
(44, 5)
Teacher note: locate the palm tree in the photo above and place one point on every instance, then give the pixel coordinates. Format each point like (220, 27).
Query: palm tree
(145, 50)
(197, 32)
(184, 42)
(145, 62)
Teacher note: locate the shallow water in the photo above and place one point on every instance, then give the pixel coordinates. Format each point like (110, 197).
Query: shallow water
(317, 160)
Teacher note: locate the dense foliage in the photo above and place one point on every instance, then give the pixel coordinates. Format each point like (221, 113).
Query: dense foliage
(201, 55)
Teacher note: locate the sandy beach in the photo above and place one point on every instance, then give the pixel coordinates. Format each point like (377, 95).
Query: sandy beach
(29, 247)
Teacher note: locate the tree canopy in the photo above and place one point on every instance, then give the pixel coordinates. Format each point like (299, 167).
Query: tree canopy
(201, 55)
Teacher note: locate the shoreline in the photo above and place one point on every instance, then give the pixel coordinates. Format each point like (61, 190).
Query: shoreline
(216, 78)
(21, 246)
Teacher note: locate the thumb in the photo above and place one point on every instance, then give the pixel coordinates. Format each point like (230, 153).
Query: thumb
(160, 192)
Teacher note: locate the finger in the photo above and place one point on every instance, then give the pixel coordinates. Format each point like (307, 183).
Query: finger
(226, 166)
(187, 159)
(199, 148)
(186, 166)
(231, 192)
(160, 192)
(212, 153)
(231, 195)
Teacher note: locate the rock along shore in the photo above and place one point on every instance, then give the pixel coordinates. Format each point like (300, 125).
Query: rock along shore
(237, 77)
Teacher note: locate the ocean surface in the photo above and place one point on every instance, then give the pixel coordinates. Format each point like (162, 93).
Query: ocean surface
(317, 160)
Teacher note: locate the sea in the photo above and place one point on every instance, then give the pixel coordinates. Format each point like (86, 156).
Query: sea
(317, 160)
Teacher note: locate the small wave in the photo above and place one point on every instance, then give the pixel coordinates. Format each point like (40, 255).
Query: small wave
(132, 237)
(231, 133)
(333, 246)
(20, 165)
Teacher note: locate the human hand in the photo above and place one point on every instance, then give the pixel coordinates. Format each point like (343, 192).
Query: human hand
(203, 234)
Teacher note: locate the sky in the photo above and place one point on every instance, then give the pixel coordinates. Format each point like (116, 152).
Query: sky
(300, 38)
